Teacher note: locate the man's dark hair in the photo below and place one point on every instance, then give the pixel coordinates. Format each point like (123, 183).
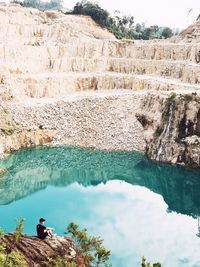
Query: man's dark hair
(42, 220)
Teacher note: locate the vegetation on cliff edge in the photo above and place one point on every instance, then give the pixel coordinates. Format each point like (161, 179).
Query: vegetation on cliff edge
(94, 253)
(122, 26)
(41, 5)
(8, 256)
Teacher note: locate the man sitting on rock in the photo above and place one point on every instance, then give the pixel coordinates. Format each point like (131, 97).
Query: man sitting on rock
(43, 231)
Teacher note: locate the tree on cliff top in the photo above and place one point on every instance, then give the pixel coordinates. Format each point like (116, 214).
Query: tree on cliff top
(122, 26)
(167, 32)
(41, 5)
(98, 14)
(119, 25)
(95, 255)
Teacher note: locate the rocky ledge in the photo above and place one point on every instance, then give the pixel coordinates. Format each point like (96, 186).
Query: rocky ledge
(37, 252)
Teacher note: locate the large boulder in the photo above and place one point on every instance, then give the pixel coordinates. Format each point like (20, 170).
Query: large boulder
(36, 251)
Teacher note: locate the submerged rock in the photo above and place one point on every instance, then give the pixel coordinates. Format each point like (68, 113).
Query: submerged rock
(2, 171)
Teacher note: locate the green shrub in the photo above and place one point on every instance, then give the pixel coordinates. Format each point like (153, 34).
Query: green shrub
(58, 262)
(15, 259)
(172, 96)
(122, 26)
(42, 5)
(95, 255)
(147, 264)
(158, 132)
(98, 14)
(188, 97)
(9, 257)
(167, 32)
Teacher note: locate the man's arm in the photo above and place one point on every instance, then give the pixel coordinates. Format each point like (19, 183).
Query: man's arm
(50, 228)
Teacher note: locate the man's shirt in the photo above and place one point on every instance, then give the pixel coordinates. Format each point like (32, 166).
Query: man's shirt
(41, 231)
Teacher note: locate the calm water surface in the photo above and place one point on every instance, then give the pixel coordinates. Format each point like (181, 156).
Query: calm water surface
(137, 206)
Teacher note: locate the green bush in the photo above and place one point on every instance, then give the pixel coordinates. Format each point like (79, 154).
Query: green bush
(158, 132)
(58, 262)
(95, 255)
(9, 257)
(167, 32)
(147, 264)
(42, 5)
(98, 14)
(14, 259)
(120, 25)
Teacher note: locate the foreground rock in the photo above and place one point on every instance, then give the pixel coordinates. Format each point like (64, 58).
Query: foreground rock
(36, 251)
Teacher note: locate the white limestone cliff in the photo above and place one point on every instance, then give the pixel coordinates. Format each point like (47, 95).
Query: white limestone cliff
(64, 80)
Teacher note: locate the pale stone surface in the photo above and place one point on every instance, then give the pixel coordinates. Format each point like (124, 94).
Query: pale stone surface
(104, 121)
(36, 251)
(24, 138)
(192, 33)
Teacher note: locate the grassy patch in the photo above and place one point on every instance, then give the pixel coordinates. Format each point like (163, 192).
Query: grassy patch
(158, 132)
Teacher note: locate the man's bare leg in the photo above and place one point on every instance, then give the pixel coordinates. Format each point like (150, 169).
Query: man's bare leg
(50, 233)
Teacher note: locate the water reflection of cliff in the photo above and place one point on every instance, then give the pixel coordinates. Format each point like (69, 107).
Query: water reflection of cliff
(35, 169)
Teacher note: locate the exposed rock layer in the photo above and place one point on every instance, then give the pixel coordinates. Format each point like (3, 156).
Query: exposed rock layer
(176, 134)
(64, 80)
(192, 32)
(36, 251)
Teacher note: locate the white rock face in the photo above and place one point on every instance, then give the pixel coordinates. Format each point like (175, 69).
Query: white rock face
(192, 33)
(64, 80)
(103, 120)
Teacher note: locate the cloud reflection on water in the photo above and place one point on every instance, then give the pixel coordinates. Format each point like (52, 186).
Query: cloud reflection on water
(136, 205)
(141, 222)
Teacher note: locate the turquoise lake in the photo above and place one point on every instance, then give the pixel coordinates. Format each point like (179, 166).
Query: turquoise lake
(137, 206)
